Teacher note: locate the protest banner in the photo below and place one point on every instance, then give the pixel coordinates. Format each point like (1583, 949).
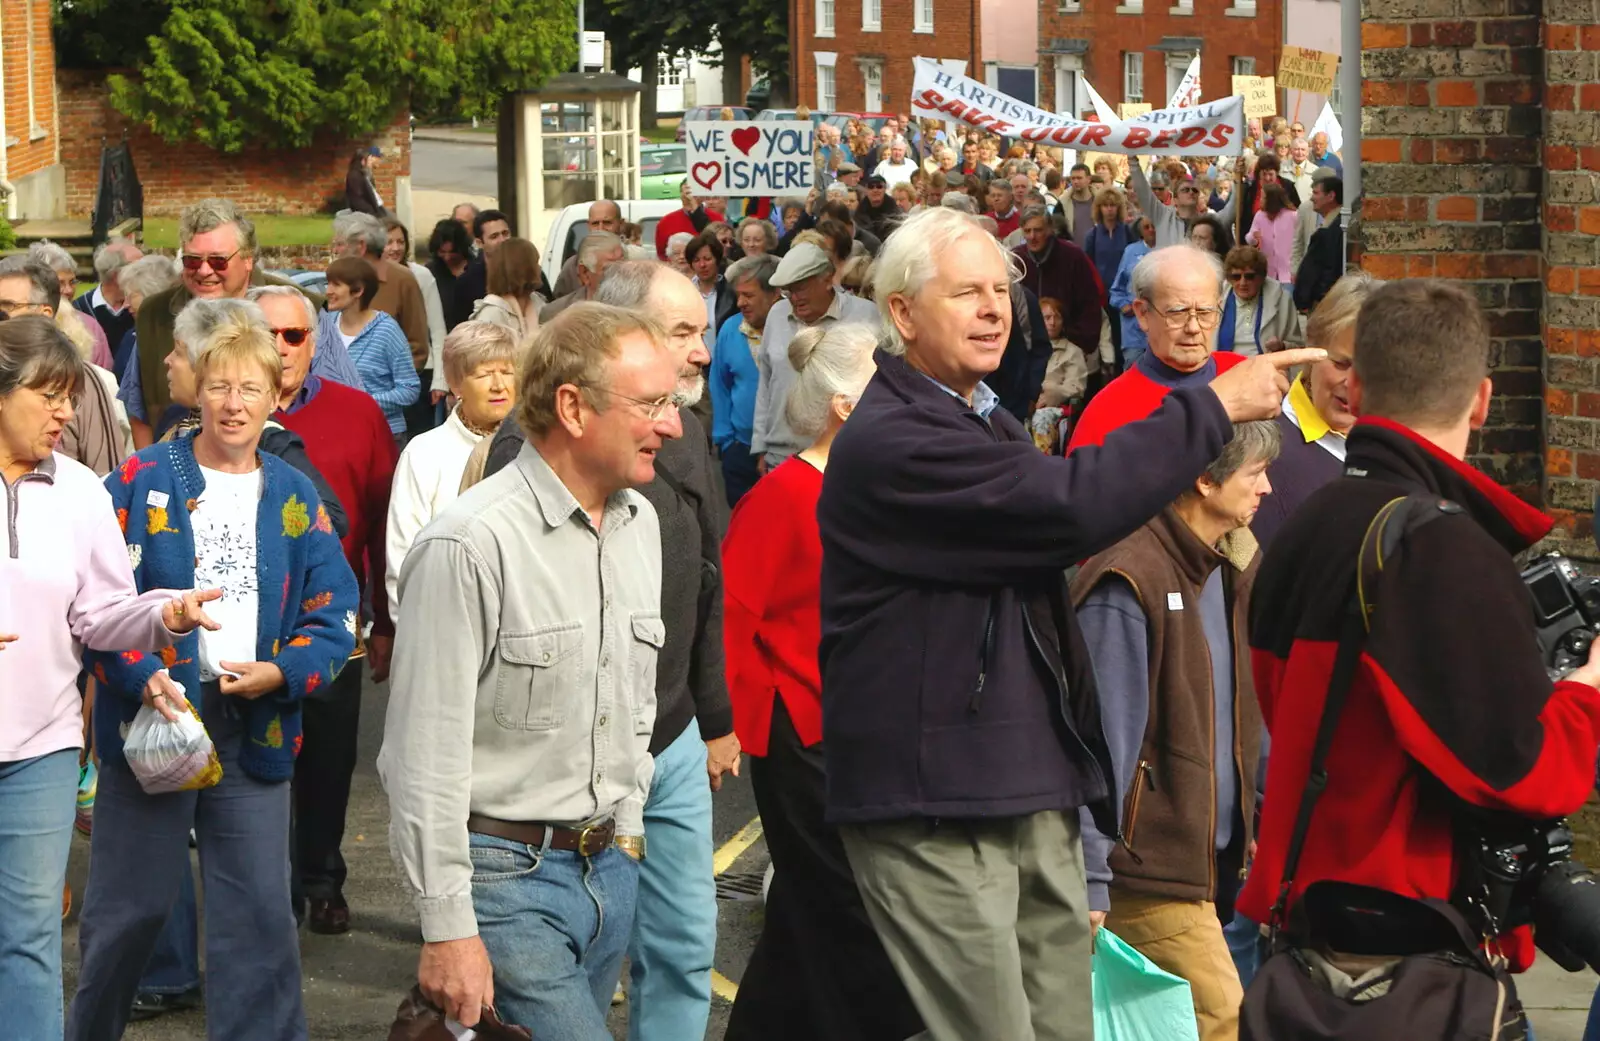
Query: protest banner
(1208, 128)
(1102, 109)
(1260, 95)
(750, 158)
(1134, 109)
(1301, 68)
(1187, 94)
(1328, 123)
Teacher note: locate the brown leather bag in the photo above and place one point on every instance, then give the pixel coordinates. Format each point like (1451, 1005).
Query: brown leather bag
(418, 1019)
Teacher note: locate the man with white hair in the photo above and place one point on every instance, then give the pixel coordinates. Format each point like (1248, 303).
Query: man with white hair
(1321, 155)
(899, 167)
(805, 276)
(1299, 169)
(675, 924)
(960, 721)
(105, 303)
(599, 250)
(604, 215)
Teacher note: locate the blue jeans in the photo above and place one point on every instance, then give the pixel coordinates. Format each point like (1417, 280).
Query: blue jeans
(136, 864)
(38, 798)
(174, 966)
(675, 932)
(1591, 1030)
(555, 925)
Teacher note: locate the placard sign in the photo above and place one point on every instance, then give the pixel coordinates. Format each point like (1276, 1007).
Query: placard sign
(1260, 95)
(751, 157)
(1133, 109)
(1301, 68)
(1209, 128)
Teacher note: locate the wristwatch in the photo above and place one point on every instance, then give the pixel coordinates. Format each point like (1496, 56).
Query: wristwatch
(632, 845)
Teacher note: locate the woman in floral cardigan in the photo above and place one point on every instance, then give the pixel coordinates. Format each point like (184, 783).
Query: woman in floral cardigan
(212, 507)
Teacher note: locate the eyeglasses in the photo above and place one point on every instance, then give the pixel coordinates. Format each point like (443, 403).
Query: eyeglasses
(485, 375)
(653, 410)
(249, 393)
(216, 261)
(293, 336)
(56, 400)
(11, 307)
(1243, 276)
(1178, 317)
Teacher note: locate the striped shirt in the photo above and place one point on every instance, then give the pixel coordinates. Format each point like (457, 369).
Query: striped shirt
(382, 358)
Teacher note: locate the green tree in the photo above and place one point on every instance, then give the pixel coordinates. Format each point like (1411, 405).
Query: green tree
(228, 73)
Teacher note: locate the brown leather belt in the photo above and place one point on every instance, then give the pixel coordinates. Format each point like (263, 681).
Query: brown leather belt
(586, 842)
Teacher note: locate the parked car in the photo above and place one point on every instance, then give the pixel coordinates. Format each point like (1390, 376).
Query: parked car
(312, 281)
(769, 115)
(661, 169)
(760, 95)
(700, 113)
(571, 225)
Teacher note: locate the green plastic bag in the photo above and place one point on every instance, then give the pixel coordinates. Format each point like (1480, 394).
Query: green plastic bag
(1135, 1000)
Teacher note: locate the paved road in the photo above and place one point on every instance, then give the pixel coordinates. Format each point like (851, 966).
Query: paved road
(451, 166)
(353, 982)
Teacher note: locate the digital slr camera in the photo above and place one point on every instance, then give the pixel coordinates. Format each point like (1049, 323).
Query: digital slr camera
(1566, 610)
(1525, 874)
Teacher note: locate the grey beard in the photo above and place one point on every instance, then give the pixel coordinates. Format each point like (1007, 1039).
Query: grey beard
(689, 391)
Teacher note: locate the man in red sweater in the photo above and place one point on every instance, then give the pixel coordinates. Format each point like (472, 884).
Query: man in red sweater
(1003, 208)
(1055, 268)
(1178, 302)
(348, 439)
(692, 219)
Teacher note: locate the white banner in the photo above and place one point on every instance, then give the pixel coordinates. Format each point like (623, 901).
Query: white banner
(750, 158)
(1188, 93)
(1102, 107)
(1208, 128)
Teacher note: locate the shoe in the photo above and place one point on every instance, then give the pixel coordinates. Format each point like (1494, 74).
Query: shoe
(329, 917)
(619, 996)
(149, 1006)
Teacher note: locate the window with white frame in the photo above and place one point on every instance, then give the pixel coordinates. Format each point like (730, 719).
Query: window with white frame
(1132, 76)
(824, 17)
(922, 16)
(825, 88)
(1244, 66)
(871, 15)
(872, 86)
(1069, 6)
(672, 72)
(1069, 85)
(1182, 7)
(1241, 9)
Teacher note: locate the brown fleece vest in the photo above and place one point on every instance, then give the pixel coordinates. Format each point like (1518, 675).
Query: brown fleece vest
(1169, 814)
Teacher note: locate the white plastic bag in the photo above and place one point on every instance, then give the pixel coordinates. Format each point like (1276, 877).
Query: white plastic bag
(171, 755)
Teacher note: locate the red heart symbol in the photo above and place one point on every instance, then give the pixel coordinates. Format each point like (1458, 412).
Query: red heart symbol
(714, 169)
(745, 138)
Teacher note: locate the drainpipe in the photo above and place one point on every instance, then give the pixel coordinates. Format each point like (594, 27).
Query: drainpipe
(5, 149)
(1350, 118)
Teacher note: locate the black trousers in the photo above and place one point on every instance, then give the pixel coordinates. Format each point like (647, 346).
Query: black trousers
(818, 970)
(322, 775)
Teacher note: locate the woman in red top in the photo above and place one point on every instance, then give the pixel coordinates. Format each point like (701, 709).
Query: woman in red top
(818, 970)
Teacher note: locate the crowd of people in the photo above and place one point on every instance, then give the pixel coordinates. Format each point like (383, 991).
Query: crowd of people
(1035, 477)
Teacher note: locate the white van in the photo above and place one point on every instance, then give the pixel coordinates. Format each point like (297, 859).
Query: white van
(572, 224)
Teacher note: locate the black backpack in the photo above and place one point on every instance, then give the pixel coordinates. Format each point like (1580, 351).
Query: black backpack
(1408, 970)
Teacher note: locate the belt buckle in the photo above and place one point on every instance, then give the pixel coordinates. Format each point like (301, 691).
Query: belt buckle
(584, 837)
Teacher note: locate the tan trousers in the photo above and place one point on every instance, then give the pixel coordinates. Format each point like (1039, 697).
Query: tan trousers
(987, 923)
(1184, 938)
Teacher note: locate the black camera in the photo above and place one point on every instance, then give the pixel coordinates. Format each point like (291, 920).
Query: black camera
(1525, 874)
(1566, 610)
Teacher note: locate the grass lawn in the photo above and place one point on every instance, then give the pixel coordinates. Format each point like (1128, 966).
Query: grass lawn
(271, 230)
(665, 134)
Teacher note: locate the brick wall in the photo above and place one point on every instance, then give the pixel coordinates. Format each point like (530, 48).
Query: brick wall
(25, 44)
(1224, 36)
(1451, 184)
(954, 36)
(262, 180)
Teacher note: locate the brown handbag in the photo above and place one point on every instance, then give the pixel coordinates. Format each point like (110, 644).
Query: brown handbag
(418, 1019)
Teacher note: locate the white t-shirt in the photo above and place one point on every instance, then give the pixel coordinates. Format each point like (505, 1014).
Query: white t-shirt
(224, 521)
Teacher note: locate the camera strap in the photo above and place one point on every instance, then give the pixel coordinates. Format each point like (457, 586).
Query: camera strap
(1396, 519)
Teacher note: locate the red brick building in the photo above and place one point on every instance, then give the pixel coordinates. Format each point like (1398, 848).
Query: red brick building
(1138, 50)
(30, 152)
(855, 55)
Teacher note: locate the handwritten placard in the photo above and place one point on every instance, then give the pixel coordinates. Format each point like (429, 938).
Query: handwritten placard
(1134, 109)
(1301, 68)
(1260, 95)
(750, 158)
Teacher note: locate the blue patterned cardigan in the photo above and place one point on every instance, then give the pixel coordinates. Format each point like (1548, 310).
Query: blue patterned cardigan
(307, 630)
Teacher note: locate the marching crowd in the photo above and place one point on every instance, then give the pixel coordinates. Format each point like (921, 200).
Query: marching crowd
(1005, 438)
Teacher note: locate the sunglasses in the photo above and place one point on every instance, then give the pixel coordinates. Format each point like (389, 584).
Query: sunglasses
(1243, 276)
(216, 261)
(292, 336)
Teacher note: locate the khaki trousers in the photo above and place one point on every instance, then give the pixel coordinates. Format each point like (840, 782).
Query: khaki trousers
(986, 922)
(1185, 938)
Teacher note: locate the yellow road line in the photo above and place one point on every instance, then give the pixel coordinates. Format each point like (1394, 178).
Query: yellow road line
(732, 850)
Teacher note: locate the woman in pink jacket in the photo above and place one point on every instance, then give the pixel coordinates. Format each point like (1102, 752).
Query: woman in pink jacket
(1272, 232)
(65, 585)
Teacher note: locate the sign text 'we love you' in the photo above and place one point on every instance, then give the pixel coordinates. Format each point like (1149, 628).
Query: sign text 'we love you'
(742, 158)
